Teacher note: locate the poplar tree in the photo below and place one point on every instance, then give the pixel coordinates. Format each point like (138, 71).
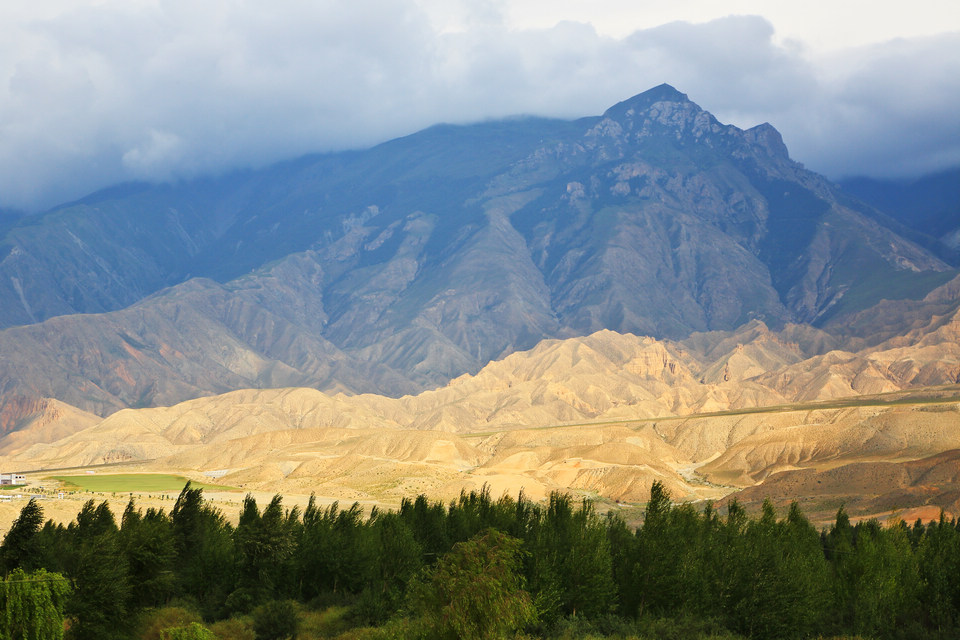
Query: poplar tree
(98, 571)
(148, 546)
(330, 555)
(263, 544)
(205, 563)
(655, 583)
(395, 558)
(939, 555)
(20, 546)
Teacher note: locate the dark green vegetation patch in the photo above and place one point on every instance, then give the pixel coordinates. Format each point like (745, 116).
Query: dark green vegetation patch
(478, 568)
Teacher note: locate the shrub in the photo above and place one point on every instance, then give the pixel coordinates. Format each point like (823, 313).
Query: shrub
(153, 622)
(234, 629)
(327, 623)
(476, 590)
(275, 620)
(193, 631)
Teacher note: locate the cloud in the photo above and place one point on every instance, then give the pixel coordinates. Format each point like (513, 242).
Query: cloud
(95, 94)
(889, 110)
(156, 157)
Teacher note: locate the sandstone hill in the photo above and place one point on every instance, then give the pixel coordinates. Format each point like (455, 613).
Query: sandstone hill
(606, 415)
(908, 490)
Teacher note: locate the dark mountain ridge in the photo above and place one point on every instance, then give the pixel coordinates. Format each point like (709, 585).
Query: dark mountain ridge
(929, 204)
(399, 267)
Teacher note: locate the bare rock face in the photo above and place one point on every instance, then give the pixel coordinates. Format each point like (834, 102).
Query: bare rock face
(18, 409)
(30, 421)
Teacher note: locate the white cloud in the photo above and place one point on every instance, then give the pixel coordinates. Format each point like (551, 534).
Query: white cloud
(96, 93)
(824, 25)
(155, 157)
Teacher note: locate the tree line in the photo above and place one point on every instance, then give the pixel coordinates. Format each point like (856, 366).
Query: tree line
(485, 567)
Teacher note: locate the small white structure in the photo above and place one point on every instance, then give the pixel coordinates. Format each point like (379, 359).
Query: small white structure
(12, 478)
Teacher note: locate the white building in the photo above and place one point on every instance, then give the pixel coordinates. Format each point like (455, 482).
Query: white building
(12, 478)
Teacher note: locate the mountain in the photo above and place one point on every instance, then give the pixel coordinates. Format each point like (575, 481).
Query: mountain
(929, 204)
(8, 219)
(398, 268)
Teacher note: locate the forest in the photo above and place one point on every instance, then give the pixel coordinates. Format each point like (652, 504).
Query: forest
(477, 567)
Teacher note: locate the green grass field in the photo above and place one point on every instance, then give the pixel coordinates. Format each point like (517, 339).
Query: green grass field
(129, 482)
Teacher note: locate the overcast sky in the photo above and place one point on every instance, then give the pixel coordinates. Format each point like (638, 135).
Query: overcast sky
(94, 92)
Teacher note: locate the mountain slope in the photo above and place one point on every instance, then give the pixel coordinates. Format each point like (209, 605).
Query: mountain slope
(400, 267)
(114, 247)
(901, 490)
(929, 204)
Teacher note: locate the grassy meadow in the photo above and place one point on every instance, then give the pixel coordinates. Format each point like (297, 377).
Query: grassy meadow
(131, 482)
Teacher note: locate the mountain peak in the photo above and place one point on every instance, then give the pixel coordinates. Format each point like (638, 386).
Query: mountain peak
(661, 93)
(642, 101)
(768, 138)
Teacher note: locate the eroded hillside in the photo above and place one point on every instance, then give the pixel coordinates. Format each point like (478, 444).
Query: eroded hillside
(605, 415)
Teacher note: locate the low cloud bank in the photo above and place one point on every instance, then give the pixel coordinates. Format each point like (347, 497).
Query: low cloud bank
(95, 95)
